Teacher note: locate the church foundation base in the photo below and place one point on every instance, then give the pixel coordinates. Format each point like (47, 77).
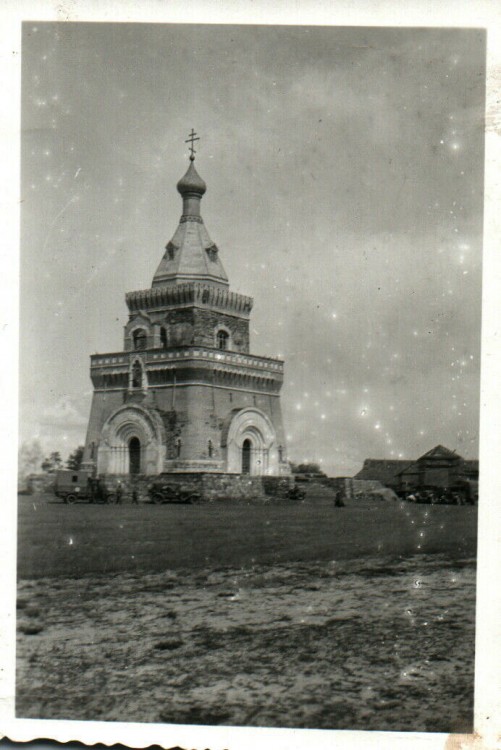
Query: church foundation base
(228, 488)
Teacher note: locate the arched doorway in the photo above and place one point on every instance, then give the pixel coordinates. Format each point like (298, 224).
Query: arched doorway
(250, 443)
(132, 436)
(246, 456)
(134, 456)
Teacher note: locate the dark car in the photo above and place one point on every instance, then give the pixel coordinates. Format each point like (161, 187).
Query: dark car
(160, 492)
(296, 493)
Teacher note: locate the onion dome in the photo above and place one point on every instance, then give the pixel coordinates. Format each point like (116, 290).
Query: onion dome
(191, 182)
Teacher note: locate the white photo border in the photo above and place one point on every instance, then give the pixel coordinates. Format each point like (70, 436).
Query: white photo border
(406, 13)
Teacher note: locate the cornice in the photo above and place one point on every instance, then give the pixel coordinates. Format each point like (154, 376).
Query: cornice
(191, 293)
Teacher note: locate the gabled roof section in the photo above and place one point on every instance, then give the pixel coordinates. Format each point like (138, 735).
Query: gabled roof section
(440, 452)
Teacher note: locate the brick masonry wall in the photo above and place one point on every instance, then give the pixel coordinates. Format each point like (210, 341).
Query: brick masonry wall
(103, 404)
(193, 415)
(207, 321)
(187, 326)
(196, 414)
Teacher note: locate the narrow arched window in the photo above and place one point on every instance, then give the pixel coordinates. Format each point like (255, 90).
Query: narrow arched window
(222, 340)
(134, 456)
(210, 448)
(163, 337)
(139, 339)
(246, 456)
(178, 447)
(137, 375)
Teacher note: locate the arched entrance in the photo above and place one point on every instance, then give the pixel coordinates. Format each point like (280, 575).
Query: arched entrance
(251, 443)
(134, 456)
(246, 456)
(132, 442)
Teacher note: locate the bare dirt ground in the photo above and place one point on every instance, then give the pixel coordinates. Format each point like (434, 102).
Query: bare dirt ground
(380, 642)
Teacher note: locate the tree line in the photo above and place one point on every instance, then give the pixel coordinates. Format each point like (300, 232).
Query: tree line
(31, 459)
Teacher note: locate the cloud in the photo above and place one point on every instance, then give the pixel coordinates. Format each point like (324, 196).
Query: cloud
(62, 413)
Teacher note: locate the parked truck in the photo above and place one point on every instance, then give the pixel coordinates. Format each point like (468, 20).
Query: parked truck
(75, 486)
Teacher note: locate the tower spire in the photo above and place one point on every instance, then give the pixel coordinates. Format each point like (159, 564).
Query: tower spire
(191, 255)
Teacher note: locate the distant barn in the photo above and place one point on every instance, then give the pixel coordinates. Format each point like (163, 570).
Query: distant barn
(439, 468)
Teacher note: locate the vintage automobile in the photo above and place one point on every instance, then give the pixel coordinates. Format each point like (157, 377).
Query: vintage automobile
(162, 492)
(467, 489)
(462, 492)
(75, 486)
(296, 493)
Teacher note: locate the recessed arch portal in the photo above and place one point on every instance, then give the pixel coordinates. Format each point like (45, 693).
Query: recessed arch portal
(251, 444)
(132, 442)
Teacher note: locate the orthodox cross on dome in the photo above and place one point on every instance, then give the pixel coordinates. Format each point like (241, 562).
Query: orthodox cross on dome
(191, 140)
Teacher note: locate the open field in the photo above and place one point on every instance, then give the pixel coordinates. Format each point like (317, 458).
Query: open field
(356, 645)
(55, 539)
(295, 616)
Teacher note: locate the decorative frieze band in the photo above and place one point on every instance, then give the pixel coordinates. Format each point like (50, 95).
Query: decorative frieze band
(186, 217)
(190, 293)
(159, 356)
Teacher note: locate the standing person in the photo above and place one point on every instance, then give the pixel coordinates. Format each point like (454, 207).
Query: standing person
(135, 499)
(91, 488)
(118, 493)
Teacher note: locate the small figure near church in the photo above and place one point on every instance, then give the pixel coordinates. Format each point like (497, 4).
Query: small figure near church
(118, 493)
(91, 484)
(338, 500)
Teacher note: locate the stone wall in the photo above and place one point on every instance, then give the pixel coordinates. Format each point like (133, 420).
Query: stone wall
(277, 487)
(234, 488)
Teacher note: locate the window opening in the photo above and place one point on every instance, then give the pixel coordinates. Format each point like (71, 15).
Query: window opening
(137, 375)
(222, 340)
(139, 339)
(163, 337)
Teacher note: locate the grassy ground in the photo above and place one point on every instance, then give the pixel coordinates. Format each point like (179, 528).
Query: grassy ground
(59, 540)
(299, 615)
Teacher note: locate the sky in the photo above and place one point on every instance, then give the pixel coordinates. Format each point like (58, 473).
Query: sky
(344, 169)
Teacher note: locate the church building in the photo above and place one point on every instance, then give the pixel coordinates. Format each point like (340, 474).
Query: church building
(186, 395)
